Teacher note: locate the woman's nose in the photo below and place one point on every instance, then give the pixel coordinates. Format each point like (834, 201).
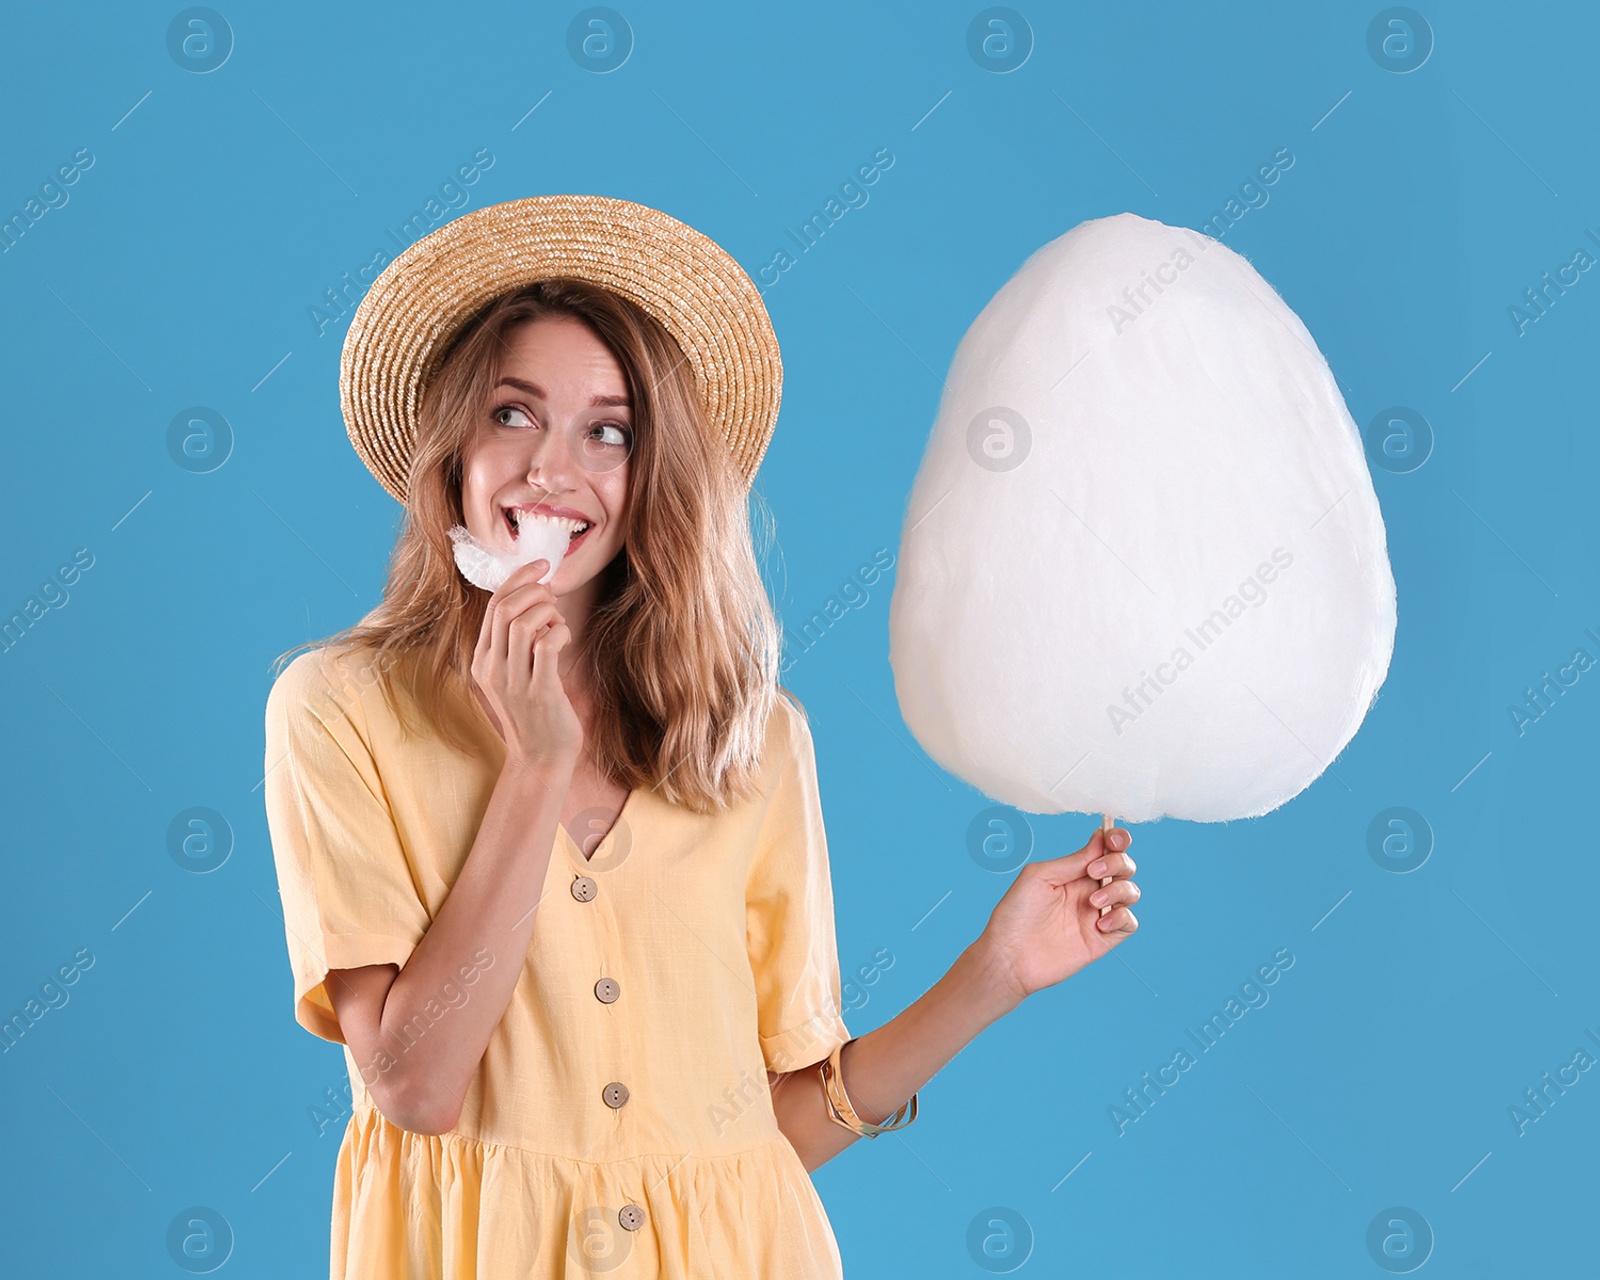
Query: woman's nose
(551, 460)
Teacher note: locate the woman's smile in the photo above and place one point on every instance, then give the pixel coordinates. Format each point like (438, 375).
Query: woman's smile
(577, 526)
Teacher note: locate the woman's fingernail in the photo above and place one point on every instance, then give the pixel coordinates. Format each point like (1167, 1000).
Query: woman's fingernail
(1118, 839)
(1097, 867)
(1098, 897)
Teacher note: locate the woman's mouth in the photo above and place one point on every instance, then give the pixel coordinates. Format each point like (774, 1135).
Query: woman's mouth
(577, 530)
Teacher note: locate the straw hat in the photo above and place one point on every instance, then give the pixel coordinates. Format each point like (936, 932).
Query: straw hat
(405, 323)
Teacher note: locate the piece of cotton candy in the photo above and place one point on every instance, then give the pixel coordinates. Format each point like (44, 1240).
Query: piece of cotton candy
(483, 566)
(1143, 571)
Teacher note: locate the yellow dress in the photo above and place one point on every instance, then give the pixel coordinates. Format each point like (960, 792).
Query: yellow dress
(620, 1122)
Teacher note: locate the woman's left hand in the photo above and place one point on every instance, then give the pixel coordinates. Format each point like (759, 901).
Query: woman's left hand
(1048, 925)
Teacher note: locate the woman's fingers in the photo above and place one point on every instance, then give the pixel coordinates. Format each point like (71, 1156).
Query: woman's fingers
(1119, 893)
(1119, 921)
(546, 655)
(1073, 865)
(524, 632)
(513, 602)
(1112, 864)
(500, 617)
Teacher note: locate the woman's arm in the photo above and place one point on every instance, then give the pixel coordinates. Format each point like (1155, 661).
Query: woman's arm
(1046, 927)
(897, 1059)
(418, 1066)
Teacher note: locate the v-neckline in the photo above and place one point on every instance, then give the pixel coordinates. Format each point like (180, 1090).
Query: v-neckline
(577, 855)
(606, 840)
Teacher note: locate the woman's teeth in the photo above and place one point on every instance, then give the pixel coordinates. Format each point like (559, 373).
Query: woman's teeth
(515, 519)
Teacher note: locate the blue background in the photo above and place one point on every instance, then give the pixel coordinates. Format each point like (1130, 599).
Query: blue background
(219, 208)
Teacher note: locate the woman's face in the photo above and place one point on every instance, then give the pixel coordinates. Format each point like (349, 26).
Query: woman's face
(553, 437)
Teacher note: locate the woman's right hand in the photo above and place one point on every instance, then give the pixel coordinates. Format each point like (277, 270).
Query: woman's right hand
(514, 664)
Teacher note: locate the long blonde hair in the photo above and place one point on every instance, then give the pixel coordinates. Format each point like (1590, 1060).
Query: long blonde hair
(681, 651)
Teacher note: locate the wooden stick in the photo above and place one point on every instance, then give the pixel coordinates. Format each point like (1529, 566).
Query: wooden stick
(1106, 823)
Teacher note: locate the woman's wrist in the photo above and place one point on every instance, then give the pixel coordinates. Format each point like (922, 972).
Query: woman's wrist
(530, 774)
(990, 978)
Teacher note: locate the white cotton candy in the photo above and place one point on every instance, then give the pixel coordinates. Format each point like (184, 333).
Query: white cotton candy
(483, 566)
(1143, 570)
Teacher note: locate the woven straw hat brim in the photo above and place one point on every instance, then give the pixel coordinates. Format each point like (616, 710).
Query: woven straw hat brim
(417, 305)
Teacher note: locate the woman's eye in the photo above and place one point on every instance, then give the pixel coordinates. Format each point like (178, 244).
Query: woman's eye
(508, 415)
(620, 435)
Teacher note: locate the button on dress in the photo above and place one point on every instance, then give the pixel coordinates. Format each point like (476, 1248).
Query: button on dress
(620, 1122)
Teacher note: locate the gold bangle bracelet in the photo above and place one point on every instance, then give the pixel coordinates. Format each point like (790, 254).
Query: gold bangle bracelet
(842, 1113)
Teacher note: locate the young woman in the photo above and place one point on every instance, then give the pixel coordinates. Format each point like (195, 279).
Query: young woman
(552, 859)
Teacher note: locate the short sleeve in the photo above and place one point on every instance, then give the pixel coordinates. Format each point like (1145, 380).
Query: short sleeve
(348, 893)
(789, 911)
